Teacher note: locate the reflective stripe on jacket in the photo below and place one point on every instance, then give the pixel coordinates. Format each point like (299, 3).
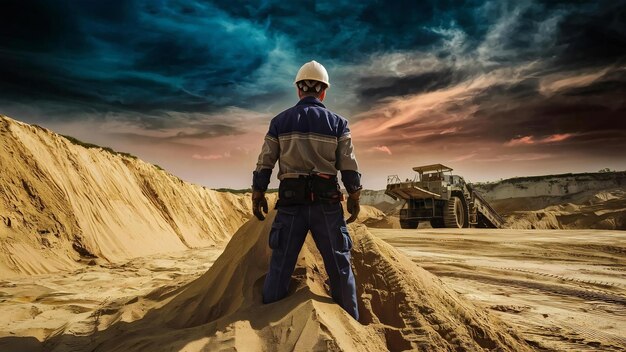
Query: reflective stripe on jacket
(305, 139)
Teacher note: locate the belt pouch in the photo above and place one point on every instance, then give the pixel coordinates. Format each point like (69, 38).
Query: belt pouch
(326, 189)
(293, 191)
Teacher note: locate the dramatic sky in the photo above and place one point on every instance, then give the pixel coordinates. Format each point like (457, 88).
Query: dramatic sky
(494, 89)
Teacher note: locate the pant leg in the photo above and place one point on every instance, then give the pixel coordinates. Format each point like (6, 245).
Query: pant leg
(287, 235)
(333, 241)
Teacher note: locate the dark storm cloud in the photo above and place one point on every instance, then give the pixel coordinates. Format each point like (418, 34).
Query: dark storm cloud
(148, 56)
(346, 30)
(142, 60)
(381, 87)
(142, 57)
(202, 133)
(522, 109)
(594, 34)
(558, 35)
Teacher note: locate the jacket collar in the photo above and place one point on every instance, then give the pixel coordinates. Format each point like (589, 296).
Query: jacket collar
(309, 100)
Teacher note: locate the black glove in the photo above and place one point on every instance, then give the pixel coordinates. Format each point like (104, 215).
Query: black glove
(353, 206)
(259, 202)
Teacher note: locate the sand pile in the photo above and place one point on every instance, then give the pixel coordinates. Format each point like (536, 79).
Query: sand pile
(402, 307)
(367, 214)
(62, 204)
(585, 210)
(384, 222)
(373, 214)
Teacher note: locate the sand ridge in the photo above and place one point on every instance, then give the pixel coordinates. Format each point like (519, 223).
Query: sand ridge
(62, 205)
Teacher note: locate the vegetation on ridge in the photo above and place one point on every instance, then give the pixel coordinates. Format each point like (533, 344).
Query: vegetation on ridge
(91, 145)
(601, 175)
(244, 190)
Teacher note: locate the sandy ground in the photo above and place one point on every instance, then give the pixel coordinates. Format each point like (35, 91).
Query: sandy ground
(167, 306)
(565, 290)
(558, 290)
(44, 305)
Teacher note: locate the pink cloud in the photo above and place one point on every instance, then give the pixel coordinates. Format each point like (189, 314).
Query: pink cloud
(464, 157)
(208, 157)
(382, 148)
(515, 157)
(530, 157)
(449, 130)
(526, 140)
(557, 137)
(553, 84)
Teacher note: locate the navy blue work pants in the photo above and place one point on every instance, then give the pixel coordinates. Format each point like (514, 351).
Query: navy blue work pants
(331, 237)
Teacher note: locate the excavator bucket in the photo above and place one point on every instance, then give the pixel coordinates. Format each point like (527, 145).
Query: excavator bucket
(408, 190)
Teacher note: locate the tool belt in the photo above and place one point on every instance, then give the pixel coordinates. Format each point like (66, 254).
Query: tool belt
(314, 188)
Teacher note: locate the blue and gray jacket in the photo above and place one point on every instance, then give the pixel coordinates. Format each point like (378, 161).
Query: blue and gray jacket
(306, 139)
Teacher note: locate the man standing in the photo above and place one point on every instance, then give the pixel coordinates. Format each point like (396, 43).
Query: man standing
(311, 144)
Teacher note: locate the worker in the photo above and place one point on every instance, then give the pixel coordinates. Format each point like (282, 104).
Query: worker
(311, 144)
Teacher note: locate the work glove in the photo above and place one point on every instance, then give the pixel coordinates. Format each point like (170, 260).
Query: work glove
(259, 202)
(353, 206)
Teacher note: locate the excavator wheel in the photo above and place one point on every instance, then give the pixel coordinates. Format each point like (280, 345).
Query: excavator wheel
(437, 223)
(408, 224)
(455, 214)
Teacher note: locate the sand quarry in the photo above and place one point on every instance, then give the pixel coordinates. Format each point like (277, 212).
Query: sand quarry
(104, 252)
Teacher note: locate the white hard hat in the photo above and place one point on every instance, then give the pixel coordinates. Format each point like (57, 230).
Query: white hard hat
(313, 70)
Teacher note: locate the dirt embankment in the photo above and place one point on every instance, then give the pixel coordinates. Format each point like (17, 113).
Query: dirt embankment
(569, 201)
(63, 205)
(552, 185)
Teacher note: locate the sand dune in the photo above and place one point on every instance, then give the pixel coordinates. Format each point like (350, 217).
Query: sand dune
(401, 305)
(62, 204)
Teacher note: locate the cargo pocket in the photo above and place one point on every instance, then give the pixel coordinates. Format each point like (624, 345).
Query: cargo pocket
(346, 240)
(290, 210)
(275, 235)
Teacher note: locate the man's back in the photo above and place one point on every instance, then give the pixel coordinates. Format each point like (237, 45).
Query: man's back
(311, 139)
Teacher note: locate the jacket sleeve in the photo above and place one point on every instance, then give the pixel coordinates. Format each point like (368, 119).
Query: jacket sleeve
(267, 159)
(346, 160)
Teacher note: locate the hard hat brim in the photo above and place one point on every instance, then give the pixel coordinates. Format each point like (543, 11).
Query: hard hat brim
(313, 71)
